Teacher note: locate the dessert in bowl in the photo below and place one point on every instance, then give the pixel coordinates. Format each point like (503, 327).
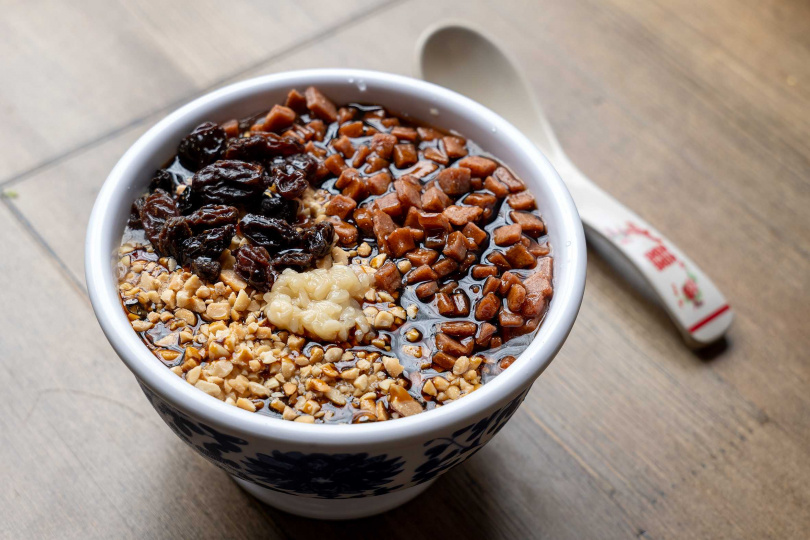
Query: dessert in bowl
(335, 264)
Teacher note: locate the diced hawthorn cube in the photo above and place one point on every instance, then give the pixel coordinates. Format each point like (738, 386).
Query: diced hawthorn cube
(496, 186)
(383, 144)
(475, 233)
(545, 267)
(456, 246)
(460, 329)
(529, 223)
(538, 249)
(435, 239)
(318, 129)
(279, 117)
(462, 304)
(507, 319)
(490, 285)
(426, 290)
(480, 167)
(422, 169)
(468, 261)
(516, 297)
(461, 215)
(507, 235)
(538, 291)
(360, 156)
(405, 133)
(357, 189)
(428, 134)
(454, 181)
(335, 164)
(445, 304)
(351, 129)
(400, 242)
(389, 203)
(422, 273)
(521, 201)
(405, 155)
(344, 114)
(340, 205)
(485, 201)
(434, 154)
(343, 145)
(452, 347)
(388, 277)
(296, 101)
(445, 267)
(481, 271)
(320, 105)
(423, 256)
(383, 226)
(347, 175)
(364, 220)
(449, 287)
(378, 184)
(497, 258)
(346, 232)
(444, 360)
(512, 182)
(519, 257)
(407, 194)
(431, 221)
(412, 218)
(508, 279)
(375, 163)
(487, 307)
(435, 200)
(454, 147)
(485, 334)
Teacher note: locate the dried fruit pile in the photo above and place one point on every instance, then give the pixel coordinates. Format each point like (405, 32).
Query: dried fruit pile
(457, 251)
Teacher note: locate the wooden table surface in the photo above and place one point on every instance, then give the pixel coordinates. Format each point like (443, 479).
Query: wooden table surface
(695, 114)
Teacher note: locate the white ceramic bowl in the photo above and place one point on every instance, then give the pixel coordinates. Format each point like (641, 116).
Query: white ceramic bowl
(336, 471)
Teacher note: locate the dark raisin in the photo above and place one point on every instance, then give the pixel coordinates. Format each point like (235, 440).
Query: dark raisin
(290, 184)
(271, 233)
(211, 216)
(184, 201)
(172, 236)
(262, 148)
(135, 213)
(293, 174)
(231, 182)
(156, 210)
(206, 268)
(279, 207)
(210, 243)
(304, 163)
(318, 239)
(253, 265)
(164, 180)
(297, 259)
(202, 146)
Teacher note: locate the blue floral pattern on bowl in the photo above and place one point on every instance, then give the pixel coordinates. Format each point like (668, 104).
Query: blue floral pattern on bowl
(445, 453)
(330, 476)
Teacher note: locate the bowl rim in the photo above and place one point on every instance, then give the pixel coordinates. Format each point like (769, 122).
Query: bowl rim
(559, 320)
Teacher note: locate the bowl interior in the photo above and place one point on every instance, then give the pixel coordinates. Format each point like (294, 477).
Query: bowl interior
(417, 99)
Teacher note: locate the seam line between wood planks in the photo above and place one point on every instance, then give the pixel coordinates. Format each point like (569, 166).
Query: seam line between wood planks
(312, 39)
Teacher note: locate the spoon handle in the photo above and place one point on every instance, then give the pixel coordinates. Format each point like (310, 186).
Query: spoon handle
(696, 306)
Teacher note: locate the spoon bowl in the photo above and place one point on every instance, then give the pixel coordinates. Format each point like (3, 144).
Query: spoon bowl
(462, 58)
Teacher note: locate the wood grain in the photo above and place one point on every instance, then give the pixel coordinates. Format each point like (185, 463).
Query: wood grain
(694, 114)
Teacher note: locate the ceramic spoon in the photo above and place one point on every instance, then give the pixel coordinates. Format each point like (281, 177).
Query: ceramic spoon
(462, 58)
